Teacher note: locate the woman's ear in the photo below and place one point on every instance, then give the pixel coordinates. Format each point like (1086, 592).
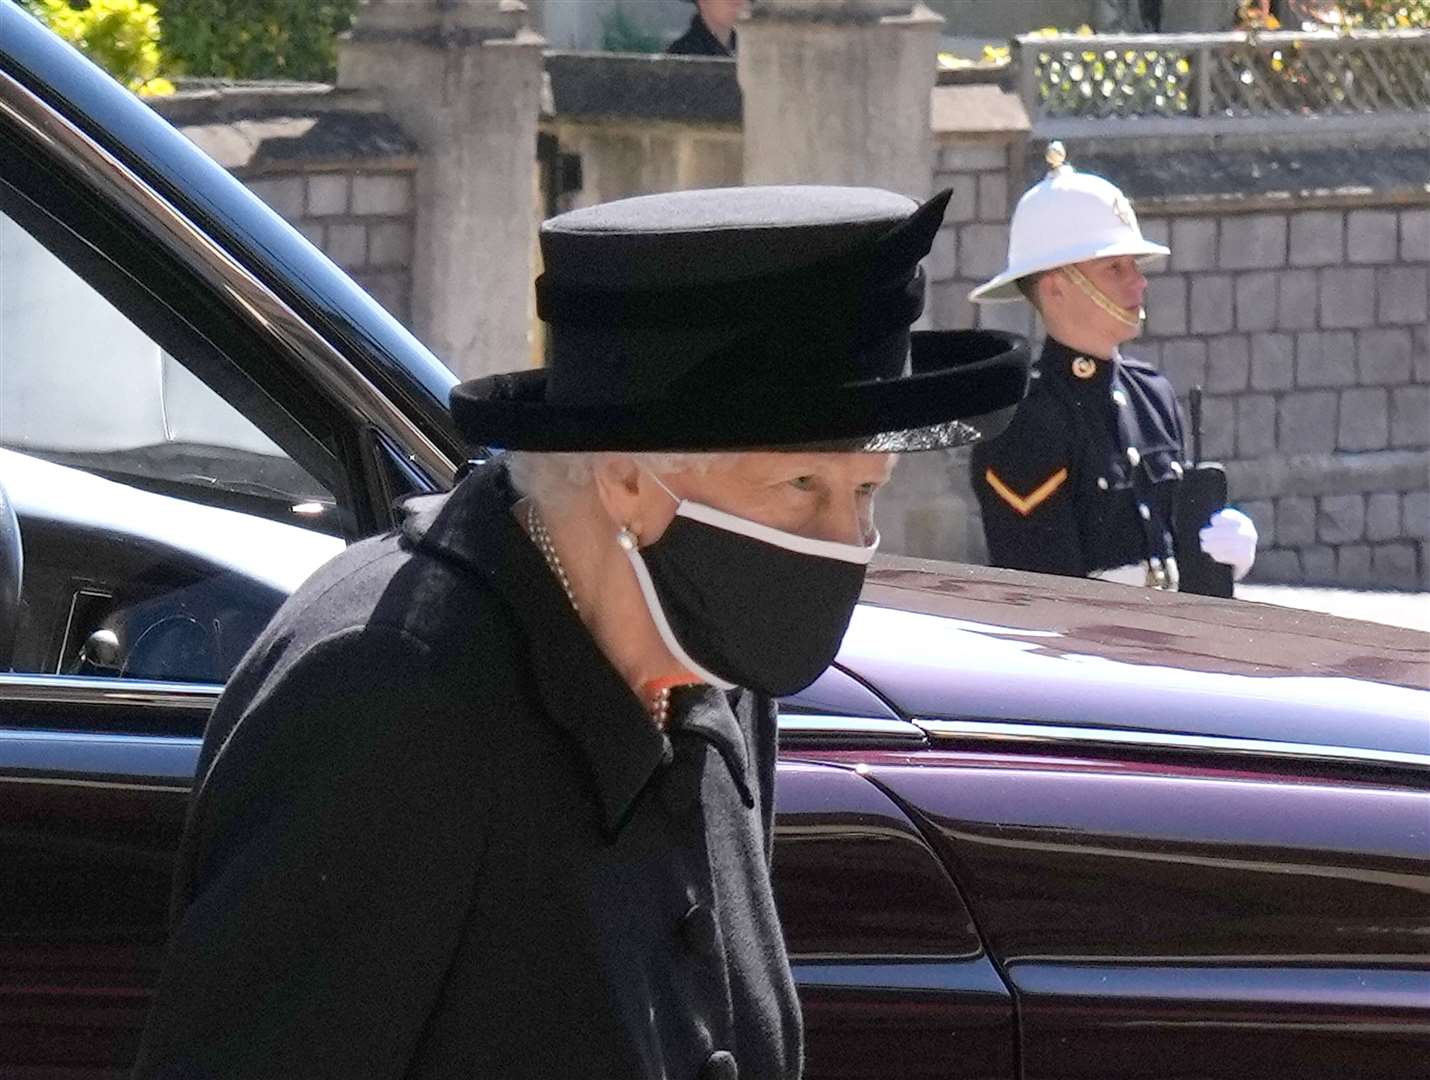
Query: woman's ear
(618, 486)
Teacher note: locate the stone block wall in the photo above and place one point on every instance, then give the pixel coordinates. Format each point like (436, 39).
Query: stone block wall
(361, 218)
(620, 160)
(1307, 330)
(973, 243)
(329, 161)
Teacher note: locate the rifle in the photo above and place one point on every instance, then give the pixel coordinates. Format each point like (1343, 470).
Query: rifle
(1201, 494)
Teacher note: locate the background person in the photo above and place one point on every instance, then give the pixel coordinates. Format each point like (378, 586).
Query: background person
(493, 794)
(1085, 479)
(712, 29)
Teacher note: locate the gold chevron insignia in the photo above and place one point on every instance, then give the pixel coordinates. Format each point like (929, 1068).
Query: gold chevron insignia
(1026, 504)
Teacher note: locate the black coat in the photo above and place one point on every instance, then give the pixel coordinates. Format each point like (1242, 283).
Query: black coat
(1085, 478)
(699, 41)
(437, 835)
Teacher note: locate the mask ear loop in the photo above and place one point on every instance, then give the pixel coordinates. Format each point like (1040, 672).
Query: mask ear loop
(630, 544)
(1126, 316)
(661, 484)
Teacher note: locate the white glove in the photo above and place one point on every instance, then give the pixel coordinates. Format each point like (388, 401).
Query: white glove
(1230, 537)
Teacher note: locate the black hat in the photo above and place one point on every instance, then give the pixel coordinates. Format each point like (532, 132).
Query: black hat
(746, 318)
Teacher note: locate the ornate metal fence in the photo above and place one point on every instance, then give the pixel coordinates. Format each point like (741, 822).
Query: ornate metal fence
(1225, 77)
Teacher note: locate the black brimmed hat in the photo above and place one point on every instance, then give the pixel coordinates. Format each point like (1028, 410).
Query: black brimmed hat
(746, 318)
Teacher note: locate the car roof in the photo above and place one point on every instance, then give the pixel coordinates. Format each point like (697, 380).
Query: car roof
(939, 640)
(265, 244)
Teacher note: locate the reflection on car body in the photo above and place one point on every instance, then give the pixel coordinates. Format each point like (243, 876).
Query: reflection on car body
(1027, 827)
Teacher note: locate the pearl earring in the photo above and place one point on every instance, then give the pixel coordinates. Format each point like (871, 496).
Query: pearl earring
(627, 538)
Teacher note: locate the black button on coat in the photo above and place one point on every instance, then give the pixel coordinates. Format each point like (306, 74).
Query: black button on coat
(1062, 489)
(433, 839)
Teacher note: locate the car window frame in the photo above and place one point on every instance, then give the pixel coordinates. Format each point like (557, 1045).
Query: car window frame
(314, 365)
(109, 208)
(311, 441)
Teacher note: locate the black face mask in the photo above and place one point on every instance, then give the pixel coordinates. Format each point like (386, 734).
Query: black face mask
(741, 604)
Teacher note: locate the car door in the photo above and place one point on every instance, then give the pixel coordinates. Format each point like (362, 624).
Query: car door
(1188, 910)
(893, 977)
(1195, 834)
(178, 451)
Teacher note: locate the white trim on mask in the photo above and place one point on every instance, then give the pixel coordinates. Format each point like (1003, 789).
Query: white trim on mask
(657, 613)
(859, 554)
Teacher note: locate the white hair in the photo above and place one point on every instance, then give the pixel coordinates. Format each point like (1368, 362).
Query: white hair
(552, 479)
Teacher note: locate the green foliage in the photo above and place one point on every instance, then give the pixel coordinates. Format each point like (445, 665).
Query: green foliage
(621, 33)
(121, 36)
(1386, 14)
(255, 39)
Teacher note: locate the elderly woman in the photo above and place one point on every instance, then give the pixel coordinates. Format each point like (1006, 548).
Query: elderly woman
(493, 794)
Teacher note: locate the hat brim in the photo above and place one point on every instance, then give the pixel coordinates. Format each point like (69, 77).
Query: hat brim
(962, 386)
(1005, 286)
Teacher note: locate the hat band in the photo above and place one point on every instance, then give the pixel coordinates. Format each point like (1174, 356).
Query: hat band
(599, 367)
(865, 277)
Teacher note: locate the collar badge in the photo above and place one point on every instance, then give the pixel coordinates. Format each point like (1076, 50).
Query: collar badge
(1084, 368)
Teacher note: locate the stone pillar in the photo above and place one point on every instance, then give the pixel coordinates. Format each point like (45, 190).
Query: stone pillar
(463, 78)
(838, 92)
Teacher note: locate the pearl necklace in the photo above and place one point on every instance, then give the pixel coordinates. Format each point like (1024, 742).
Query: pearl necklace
(659, 706)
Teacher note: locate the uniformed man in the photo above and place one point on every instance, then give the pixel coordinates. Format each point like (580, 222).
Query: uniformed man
(1084, 481)
(712, 29)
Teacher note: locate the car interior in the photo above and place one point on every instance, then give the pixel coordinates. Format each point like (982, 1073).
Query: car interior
(156, 504)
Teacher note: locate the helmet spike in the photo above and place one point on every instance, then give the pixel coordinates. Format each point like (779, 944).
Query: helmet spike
(1056, 156)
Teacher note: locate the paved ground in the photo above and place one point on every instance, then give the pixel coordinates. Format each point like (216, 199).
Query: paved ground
(1396, 608)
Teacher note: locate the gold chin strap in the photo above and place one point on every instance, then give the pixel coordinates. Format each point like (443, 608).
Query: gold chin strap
(1126, 316)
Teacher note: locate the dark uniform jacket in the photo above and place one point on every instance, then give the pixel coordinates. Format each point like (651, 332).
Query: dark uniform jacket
(438, 836)
(1085, 477)
(699, 41)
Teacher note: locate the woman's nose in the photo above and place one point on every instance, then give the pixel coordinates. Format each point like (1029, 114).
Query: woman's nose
(848, 521)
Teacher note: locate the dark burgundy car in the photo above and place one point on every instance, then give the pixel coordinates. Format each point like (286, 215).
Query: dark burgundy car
(1028, 827)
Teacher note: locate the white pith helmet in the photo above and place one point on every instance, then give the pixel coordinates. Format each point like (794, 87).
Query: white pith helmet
(1066, 218)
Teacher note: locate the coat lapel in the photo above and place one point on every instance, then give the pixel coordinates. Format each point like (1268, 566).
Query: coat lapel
(473, 527)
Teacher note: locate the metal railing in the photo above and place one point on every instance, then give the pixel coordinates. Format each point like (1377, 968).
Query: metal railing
(1225, 80)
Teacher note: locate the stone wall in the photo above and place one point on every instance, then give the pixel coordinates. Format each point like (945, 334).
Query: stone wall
(359, 218)
(639, 125)
(619, 160)
(329, 162)
(1307, 330)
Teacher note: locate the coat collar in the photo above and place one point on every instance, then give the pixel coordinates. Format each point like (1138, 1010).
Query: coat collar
(1127, 383)
(1072, 367)
(1078, 368)
(473, 527)
(708, 713)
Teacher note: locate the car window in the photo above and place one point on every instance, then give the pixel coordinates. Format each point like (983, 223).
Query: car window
(160, 522)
